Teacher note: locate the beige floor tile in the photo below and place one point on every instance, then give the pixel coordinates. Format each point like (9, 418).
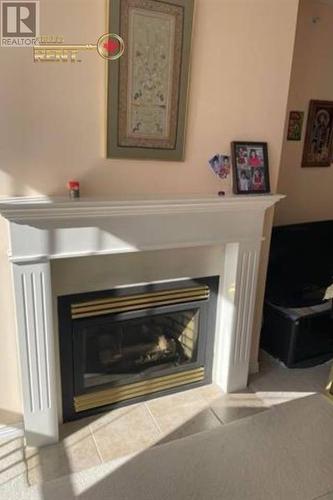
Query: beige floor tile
(203, 421)
(211, 392)
(80, 454)
(274, 398)
(12, 459)
(72, 432)
(76, 452)
(9, 489)
(230, 407)
(171, 412)
(34, 467)
(130, 431)
(275, 384)
(102, 419)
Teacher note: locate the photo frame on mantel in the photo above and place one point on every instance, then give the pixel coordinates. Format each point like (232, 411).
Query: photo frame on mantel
(250, 167)
(148, 85)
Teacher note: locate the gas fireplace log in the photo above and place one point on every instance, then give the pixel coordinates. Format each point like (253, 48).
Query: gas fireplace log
(137, 355)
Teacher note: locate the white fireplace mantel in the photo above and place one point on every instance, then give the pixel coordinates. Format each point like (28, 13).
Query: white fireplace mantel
(42, 229)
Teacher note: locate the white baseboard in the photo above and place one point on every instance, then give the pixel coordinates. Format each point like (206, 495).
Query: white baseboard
(12, 431)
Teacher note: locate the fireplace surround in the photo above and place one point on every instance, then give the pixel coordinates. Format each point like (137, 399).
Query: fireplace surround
(43, 229)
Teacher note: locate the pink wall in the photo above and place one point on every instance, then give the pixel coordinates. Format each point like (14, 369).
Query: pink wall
(52, 125)
(55, 114)
(309, 190)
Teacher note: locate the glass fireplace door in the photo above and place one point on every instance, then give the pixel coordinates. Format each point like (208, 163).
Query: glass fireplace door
(132, 346)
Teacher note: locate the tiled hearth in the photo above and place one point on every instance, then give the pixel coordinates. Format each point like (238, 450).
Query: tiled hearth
(115, 435)
(125, 431)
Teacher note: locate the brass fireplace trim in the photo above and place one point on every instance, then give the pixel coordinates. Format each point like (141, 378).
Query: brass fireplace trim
(137, 302)
(118, 394)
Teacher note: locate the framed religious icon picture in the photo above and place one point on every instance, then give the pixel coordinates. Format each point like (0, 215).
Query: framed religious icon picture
(295, 125)
(148, 85)
(317, 150)
(250, 167)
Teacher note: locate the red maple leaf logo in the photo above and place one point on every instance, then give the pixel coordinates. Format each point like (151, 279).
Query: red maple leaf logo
(112, 46)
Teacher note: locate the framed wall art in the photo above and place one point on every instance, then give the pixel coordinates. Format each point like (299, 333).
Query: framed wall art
(250, 167)
(317, 150)
(295, 125)
(148, 86)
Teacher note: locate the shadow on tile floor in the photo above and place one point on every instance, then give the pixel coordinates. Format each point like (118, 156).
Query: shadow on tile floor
(276, 384)
(125, 431)
(132, 429)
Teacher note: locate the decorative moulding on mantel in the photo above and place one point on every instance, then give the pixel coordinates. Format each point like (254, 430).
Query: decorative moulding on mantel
(55, 228)
(22, 209)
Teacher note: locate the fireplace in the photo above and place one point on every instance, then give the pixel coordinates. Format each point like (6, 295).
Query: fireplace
(43, 230)
(132, 343)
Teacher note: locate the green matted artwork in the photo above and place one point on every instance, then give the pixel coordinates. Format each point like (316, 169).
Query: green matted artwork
(148, 85)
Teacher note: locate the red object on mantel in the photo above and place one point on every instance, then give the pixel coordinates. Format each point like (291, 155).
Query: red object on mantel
(74, 189)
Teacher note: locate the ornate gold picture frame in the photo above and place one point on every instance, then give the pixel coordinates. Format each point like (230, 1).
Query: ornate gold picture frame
(148, 86)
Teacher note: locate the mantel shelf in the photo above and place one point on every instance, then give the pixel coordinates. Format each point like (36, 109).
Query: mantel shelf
(37, 208)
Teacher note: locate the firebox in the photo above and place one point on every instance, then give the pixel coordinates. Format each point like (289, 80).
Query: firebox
(132, 343)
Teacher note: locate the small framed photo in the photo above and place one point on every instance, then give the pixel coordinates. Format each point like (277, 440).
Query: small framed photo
(317, 150)
(220, 164)
(295, 125)
(250, 167)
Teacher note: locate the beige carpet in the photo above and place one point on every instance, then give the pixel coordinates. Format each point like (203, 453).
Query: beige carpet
(285, 453)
